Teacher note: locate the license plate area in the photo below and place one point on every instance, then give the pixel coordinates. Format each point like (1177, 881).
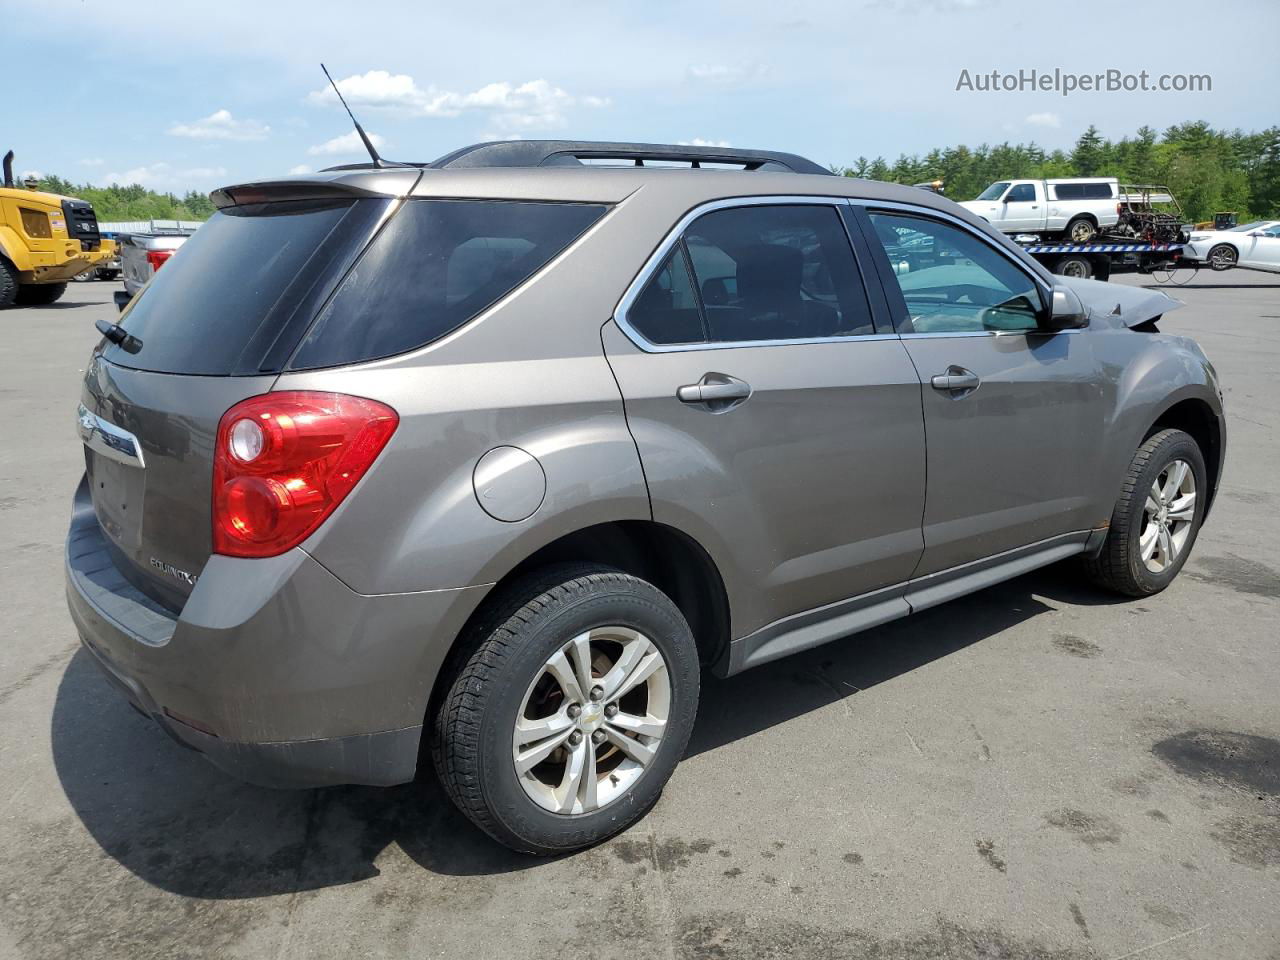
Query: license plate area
(118, 491)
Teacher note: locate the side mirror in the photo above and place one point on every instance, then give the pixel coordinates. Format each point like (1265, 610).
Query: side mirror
(1066, 312)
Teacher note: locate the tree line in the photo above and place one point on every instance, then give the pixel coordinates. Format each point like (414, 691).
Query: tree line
(134, 202)
(1208, 171)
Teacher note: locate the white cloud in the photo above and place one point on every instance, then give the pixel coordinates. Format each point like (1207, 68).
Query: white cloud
(699, 142)
(529, 105)
(723, 75)
(347, 143)
(92, 162)
(221, 125)
(1044, 120)
(163, 176)
(300, 168)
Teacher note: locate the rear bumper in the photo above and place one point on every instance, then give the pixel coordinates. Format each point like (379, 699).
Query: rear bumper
(275, 670)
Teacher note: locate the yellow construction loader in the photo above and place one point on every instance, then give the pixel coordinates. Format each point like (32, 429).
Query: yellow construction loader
(45, 240)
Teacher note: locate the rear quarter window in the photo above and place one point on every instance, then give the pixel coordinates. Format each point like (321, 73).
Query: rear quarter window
(436, 265)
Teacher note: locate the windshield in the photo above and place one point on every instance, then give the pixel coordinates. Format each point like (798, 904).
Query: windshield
(995, 191)
(237, 296)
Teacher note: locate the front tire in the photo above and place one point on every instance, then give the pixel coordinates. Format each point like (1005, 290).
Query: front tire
(1157, 518)
(8, 283)
(1223, 257)
(568, 717)
(38, 294)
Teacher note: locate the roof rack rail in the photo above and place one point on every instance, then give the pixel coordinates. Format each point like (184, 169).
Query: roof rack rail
(559, 153)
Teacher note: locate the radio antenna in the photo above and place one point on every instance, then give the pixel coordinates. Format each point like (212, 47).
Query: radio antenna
(368, 144)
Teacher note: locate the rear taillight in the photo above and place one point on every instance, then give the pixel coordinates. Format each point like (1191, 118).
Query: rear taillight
(158, 258)
(285, 460)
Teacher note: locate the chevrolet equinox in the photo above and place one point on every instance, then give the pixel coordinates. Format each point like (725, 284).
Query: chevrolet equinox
(483, 460)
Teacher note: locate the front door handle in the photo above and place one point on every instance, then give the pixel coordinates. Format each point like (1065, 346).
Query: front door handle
(716, 392)
(957, 380)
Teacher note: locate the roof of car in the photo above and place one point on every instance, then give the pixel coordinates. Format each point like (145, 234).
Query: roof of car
(592, 184)
(593, 171)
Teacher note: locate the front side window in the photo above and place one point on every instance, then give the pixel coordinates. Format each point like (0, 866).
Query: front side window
(952, 281)
(436, 265)
(1022, 193)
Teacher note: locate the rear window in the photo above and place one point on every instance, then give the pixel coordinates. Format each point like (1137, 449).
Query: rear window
(236, 296)
(436, 265)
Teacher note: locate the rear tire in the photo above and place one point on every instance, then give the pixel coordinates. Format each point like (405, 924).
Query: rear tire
(1081, 230)
(8, 283)
(1156, 520)
(517, 691)
(37, 294)
(1072, 266)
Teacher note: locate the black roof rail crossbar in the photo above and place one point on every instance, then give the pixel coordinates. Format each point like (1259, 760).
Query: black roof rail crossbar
(555, 153)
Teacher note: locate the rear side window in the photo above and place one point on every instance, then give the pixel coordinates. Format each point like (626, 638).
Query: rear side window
(435, 266)
(1082, 191)
(777, 273)
(239, 285)
(666, 311)
(759, 273)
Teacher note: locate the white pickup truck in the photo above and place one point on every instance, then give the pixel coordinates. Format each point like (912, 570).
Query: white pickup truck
(1079, 208)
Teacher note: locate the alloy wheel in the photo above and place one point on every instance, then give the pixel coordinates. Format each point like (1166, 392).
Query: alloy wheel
(1167, 516)
(1222, 257)
(592, 720)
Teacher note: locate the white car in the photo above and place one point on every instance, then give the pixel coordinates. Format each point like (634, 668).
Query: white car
(1255, 245)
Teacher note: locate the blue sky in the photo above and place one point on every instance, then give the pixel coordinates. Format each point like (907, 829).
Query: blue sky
(180, 95)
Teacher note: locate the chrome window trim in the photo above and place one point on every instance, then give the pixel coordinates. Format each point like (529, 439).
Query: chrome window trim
(673, 237)
(108, 440)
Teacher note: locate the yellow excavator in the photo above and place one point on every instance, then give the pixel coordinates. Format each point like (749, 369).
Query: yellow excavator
(45, 240)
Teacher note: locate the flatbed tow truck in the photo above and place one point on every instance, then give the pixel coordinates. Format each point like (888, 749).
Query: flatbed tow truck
(1095, 260)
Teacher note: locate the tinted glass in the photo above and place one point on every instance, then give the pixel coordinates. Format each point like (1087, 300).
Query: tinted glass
(1082, 191)
(437, 264)
(952, 281)
(232, 290)
(777, 273)
(667, 311)
(1022, 193)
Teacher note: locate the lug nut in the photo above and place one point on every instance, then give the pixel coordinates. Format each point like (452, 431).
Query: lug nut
(575, 711)
(597, 693)
(597, 737)
(575, 738)
(611, 710)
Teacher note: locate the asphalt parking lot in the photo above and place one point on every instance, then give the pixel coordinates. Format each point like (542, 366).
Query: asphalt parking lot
(1037, 771)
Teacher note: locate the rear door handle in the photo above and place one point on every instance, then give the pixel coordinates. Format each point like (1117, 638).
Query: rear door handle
(956, 380)
(716, 392)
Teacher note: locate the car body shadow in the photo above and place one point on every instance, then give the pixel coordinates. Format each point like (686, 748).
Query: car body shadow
(790, 687)
(180, 824)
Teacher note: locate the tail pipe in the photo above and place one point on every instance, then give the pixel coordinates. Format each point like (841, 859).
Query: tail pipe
(8, 169)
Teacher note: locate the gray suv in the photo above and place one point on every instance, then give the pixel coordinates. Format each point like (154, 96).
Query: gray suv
(483, 460)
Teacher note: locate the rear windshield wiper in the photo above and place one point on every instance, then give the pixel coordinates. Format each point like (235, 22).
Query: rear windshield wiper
(119, 336)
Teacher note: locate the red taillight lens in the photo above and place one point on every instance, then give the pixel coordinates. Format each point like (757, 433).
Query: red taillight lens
(284, 460)
(158, 258)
